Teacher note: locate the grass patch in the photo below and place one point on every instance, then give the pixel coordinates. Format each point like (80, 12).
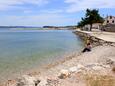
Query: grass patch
(94, 80)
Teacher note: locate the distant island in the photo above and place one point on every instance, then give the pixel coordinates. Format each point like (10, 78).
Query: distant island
(60, 27)
(19, 27)
(44, 27)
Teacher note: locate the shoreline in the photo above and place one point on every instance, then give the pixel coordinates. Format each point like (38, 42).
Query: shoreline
(53, 70)
(43, 68)
(24, 65)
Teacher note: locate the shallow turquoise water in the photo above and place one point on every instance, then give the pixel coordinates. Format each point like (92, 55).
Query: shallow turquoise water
(23, 50)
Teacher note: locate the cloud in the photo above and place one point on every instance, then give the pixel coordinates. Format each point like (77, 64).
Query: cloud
(37, 20)
(78, 5)
(52, 11)
(7, 4)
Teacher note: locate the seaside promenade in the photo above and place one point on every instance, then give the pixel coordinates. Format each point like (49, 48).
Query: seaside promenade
(106, 36)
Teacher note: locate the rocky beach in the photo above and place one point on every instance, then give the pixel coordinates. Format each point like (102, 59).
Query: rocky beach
(57, 42)
(95, 68)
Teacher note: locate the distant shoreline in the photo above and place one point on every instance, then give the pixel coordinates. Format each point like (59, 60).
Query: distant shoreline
(43, 27)
(33, 28)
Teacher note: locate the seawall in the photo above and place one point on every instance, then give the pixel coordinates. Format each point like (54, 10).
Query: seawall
(95, 41)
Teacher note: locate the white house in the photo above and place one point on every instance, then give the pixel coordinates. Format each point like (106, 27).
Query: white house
(94, 26)
(109, 24)
(109, 20)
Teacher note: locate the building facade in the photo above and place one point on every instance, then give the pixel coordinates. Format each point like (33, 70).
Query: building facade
(109, 24)
(94, 26)
(109, 20)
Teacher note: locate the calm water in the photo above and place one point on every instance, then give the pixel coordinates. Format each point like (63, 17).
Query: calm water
(23, 50)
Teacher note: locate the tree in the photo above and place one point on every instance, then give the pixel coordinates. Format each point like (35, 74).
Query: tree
(82, 23)
(91, 16)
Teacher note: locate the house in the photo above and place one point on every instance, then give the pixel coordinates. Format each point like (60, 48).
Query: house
(94, 26)
(109, 24)
(109, 20)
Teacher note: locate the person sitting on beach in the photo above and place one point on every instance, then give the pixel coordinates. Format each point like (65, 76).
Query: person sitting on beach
(87, 48)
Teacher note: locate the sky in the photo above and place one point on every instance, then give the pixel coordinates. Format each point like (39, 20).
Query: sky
(50, 12)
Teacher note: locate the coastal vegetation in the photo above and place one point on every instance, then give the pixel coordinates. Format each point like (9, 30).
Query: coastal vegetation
(91, 17)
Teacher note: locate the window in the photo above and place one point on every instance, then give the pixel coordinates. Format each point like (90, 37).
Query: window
(113, 21)
(110, 17)
(107, 21)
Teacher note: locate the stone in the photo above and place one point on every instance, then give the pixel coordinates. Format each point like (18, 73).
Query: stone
(110, 61)
(77, 68)
(73, 69)
(52, 82)
(96, 68)
(43, 82)
(27, 80)
(11, 83)
(64, 74)
(106, 66)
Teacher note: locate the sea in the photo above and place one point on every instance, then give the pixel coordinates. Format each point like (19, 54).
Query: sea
(22, 50)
